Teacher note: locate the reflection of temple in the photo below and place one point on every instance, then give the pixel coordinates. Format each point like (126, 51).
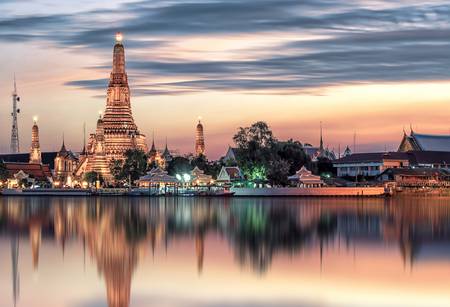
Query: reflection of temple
(118, 232)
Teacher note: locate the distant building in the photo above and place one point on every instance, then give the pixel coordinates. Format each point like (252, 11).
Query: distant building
(157, 178)
(47, 158)
(199, 178)
(424, 142)
(230, 156)
(305, 179)
(229, 174)
(369, 164)
(314, 153)
(199, 140)
(417, 177)
(65, 165)
(19, 172)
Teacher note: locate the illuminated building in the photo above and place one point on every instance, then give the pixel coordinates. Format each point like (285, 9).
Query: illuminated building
(65, 164)
(35, 151)
(98, 161)
(199, 140)
(119, 132)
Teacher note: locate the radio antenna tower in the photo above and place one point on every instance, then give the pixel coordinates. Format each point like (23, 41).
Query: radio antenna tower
(15, 129)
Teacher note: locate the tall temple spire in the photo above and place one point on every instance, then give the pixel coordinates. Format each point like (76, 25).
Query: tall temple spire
(15, 148)
(321, 138)
(153, 149)
(116, 130)
(35, 150)
(199, 139)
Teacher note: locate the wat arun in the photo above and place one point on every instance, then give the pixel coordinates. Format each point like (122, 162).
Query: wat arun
(116, 130)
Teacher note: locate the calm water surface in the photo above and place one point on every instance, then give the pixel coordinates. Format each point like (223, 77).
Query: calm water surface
(120, 252)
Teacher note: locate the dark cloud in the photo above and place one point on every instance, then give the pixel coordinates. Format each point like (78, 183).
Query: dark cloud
(402, 43)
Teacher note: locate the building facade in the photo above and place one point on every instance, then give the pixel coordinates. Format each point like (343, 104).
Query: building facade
(369, 164)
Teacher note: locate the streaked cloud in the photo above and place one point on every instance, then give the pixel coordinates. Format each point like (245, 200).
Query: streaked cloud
(360, 42)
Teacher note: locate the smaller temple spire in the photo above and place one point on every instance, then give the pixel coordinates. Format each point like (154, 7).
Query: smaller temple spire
(35, 151)
(63, 146)
(321, 138)
(153, 142)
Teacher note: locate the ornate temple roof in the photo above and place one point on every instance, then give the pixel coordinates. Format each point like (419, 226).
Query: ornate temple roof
(429, 142)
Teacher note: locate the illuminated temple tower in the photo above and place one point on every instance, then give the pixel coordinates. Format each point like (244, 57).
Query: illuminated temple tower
(120, 133)
(35, 151)
(199, 140)
(98, 162)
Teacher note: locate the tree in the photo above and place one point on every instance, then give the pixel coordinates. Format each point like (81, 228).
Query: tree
(135, 164)
(255, 146)
(91, 177)
(278, 172)
(116, 168)
(261, 156)
(179, 165)
(3, 171)
(292, 152)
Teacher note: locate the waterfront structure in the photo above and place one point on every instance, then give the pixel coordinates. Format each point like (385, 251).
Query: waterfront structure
(369, 164)
(65, 165)
(424, 142)
(416, 177)
(199, 140)
(119, 132)
(15, 147)
(29, 173)
(159, 179)
(199, 178)
(230, 174)
(35, 150)
(303, 178)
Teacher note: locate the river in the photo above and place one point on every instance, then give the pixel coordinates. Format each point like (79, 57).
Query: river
(223, 252)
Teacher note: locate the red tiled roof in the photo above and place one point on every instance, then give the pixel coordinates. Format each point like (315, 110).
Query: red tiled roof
(35, 170)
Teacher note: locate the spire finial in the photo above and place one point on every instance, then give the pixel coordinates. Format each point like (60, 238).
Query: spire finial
(411, 128)
(119, 37)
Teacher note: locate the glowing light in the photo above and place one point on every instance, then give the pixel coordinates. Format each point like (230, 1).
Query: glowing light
(119, 37)
(199, 118)
(35, 119)
(178, 176)
(186, 177)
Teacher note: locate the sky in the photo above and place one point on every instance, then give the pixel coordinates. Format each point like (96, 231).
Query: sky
(365, 67)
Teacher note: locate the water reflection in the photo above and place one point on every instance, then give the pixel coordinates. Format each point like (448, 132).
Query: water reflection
(119, 233)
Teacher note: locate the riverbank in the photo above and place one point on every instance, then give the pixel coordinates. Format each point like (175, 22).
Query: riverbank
(240, 192)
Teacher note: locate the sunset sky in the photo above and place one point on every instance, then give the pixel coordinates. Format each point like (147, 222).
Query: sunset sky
(369, 67)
